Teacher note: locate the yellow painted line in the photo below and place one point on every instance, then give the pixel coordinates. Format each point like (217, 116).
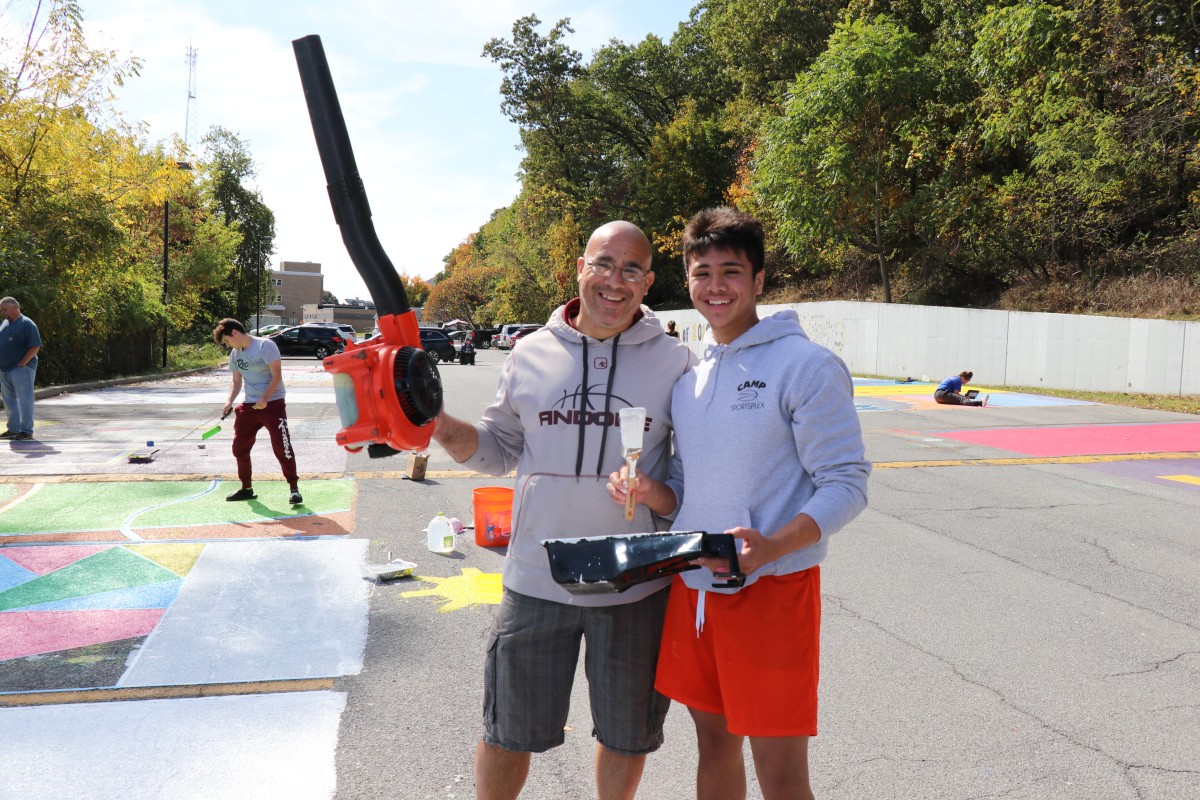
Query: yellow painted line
(1192, 479)
(164, 692)
(1010, 462)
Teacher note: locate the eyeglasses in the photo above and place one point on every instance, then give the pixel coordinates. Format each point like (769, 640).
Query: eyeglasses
(603, 268)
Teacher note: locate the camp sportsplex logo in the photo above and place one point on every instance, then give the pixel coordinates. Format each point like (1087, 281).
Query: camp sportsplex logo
(747, 395)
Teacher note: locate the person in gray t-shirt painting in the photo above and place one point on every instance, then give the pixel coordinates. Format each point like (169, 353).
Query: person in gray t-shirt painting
(255, 364)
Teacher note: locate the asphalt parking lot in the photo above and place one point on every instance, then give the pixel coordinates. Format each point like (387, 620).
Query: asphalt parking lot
(1016, 614)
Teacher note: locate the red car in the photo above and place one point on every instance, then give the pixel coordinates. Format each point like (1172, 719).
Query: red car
(521, 334)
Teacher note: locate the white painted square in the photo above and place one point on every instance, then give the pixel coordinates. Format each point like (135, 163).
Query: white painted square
(253, 611)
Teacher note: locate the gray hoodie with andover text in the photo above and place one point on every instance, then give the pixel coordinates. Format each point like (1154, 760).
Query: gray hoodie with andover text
(555, 419)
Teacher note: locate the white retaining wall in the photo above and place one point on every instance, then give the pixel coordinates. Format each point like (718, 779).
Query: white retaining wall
(1002, 348)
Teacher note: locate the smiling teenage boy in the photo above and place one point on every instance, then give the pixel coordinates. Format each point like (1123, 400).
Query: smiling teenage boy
(769, 450)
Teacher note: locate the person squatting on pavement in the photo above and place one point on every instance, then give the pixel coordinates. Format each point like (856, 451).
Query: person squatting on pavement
(19, 345)
(555, 418)
(949, 391)
(467, 354)
(255, 363)
(768, 449)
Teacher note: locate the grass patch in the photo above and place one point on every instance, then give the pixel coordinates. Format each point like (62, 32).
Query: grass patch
(193, 356)
(1186, 404)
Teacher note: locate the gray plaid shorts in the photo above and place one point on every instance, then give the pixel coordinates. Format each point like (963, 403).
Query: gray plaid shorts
(531, 659)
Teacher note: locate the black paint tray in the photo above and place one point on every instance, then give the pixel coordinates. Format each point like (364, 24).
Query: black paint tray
(607, 564)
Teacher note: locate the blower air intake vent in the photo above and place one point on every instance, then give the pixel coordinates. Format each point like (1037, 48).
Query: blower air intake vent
(418, 385)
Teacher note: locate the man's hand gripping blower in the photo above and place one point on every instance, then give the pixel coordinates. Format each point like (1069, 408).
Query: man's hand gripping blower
(389, 391)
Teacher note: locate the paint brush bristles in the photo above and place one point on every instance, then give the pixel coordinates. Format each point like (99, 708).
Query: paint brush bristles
(633, 425)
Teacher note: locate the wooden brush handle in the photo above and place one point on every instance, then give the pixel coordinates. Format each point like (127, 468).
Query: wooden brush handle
(629, 491)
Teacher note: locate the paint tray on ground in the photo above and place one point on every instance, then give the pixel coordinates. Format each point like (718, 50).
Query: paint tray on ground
(392, 570)
(606, 564)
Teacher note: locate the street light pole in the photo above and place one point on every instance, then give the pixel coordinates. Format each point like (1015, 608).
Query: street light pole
(166, 273)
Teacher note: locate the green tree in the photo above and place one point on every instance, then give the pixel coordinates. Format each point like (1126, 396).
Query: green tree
(1091, 122)
(229, 166)
(415, 289)
(839, 166)
(70, 194)
(764, 44)
(464, 295)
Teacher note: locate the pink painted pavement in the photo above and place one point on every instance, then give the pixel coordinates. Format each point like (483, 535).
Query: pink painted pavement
(1087, 440)
(41, 560)
(27, 633)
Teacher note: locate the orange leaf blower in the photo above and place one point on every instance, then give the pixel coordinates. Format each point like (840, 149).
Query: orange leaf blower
(388, 390)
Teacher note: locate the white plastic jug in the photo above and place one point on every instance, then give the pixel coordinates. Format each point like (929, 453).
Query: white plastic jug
(440, 534)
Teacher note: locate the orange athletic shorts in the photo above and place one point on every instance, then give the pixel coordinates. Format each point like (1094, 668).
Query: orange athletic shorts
(757, 659)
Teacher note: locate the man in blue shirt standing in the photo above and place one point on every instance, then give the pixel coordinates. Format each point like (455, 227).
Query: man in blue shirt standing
(19, 345)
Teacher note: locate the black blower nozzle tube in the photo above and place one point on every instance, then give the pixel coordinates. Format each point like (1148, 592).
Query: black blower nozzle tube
(346, 192)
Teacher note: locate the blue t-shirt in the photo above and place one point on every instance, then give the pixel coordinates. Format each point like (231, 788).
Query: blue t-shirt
(16, 338)
(255, 365)
(954, 384)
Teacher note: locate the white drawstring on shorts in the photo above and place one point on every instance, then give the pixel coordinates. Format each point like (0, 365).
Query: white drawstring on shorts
(700, 613)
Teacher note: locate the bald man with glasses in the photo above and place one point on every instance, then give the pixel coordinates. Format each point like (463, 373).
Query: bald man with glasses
(555, 420)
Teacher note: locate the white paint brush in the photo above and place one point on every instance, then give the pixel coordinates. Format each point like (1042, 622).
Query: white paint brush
(633, 425)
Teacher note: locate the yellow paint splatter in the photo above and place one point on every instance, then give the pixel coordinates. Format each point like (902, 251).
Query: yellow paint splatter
(471, 588)
(1182, 478)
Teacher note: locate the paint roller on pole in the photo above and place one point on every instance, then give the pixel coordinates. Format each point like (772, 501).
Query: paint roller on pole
(633, 426)
(214, 430)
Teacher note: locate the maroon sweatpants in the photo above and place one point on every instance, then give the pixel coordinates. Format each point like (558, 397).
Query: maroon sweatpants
(247, 421)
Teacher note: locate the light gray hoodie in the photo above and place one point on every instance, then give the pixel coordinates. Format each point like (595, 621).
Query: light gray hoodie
(766, 427)
(562, 465)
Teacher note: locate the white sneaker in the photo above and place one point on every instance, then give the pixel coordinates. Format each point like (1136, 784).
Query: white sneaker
(985, 399)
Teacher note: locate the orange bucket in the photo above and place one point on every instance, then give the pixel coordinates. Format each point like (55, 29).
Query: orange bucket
(493, 515)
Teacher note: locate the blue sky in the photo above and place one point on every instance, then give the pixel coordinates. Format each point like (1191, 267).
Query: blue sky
(422, 107)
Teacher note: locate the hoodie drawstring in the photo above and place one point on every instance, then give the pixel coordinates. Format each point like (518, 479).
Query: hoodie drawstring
(583, 404)
(612, 373)
(583, 407)
(716, 353)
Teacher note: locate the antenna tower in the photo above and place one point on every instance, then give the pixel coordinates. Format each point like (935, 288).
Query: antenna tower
(189, 124)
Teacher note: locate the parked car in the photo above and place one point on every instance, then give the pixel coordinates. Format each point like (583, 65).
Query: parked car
(348, 331)
(435, 342)
(521, 334)
(267, 330)
(309, 340)
(483, 337)
(503, 339)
